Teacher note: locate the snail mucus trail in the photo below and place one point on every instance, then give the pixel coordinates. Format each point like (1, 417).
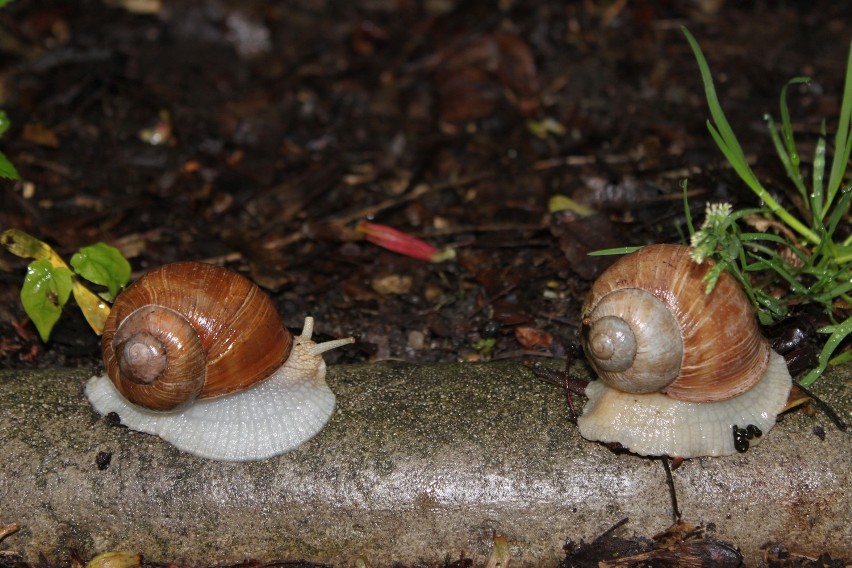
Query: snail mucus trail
(197, 355)
(681, 373)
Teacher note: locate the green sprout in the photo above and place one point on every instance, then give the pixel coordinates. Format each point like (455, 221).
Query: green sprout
(797, 251)
(485, 347)
(7, 170)
(50, 282)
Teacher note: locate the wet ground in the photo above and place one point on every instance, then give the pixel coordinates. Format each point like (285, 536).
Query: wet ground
(259, 134)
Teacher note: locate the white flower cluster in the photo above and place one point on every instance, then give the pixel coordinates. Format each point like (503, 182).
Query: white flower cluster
(716, 218)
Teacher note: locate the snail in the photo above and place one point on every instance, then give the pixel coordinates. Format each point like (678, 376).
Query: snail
(197, 354)
(681, 372)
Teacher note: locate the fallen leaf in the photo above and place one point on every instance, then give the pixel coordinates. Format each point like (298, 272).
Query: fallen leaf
(403, 243)
(115, 560)
(500, 555)
(533, 338)
(392, 284)
(474, 78)
(40, 134)
(580, 235)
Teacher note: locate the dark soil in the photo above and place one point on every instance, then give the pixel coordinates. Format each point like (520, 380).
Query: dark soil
(257, 134)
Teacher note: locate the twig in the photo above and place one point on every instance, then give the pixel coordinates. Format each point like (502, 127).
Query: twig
(611, 529)
(672, 492)
(6, 530)
(825, 407)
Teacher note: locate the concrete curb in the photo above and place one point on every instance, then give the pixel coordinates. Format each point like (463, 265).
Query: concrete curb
(418, 464)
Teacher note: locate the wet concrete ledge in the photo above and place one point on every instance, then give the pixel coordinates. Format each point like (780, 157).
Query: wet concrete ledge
(418, 464)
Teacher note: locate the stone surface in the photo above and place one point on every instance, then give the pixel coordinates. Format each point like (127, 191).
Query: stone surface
(417, 464)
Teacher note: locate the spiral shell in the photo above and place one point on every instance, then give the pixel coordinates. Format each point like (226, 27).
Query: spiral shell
(649, 326)
(682, 372)
(191, 330)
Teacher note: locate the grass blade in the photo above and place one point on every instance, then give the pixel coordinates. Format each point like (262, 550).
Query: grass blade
(786, 124)
(842, 140)
(839, 211)
(620, 250)
(721, 122)
(837, 336)
(783, 154)
(793, 172)
(683, 185)
(723, 134)
(819, 173)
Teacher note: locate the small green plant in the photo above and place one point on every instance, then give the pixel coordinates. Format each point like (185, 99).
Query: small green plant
(7, 170)
(50, 281)
(798, 251)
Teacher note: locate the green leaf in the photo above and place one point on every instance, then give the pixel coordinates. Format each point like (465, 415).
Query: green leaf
(684, 184)
(842, 140)
(764, 237)
(838, 334)
(559, 203)
(787, 127)
(840, 209)
(818, 175)
(4, 120)
(620, 250)
(104, 265)
(722, 133)
(725, 132)
(7, 170)
(27, 246)
(844, 357)
(835, 292)
(44, 293)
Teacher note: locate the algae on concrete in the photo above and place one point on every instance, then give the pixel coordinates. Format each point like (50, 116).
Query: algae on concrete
(418, 464)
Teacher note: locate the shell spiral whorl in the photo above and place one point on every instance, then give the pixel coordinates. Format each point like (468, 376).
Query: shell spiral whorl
(612, 344)
(161, 362)
(634, 342)
(690, 345)
(191, 330)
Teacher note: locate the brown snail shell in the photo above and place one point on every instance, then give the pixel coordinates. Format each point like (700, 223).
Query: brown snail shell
(686, 344)
(681, 372)
(163, 346)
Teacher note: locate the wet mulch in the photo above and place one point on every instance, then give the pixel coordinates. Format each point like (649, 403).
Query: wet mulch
(258, 135)
(682, 544)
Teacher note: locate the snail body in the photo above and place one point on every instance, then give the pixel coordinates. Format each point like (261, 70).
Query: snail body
(197, 354)
(678, 369)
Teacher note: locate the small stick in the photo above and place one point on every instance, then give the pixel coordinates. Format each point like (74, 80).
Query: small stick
(672, 492)
(825, 407)
(612, 529)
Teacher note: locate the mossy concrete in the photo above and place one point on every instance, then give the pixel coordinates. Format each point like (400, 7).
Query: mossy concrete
(419, 463)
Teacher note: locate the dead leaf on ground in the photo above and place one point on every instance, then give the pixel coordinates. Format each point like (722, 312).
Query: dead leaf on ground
(682, 544)
(40, 134)
(533, 338)
(500, 554)
(392, 284)
(580, 235)
(473, 79)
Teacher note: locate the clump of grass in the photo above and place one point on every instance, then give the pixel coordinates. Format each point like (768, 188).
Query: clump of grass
(796, 251)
